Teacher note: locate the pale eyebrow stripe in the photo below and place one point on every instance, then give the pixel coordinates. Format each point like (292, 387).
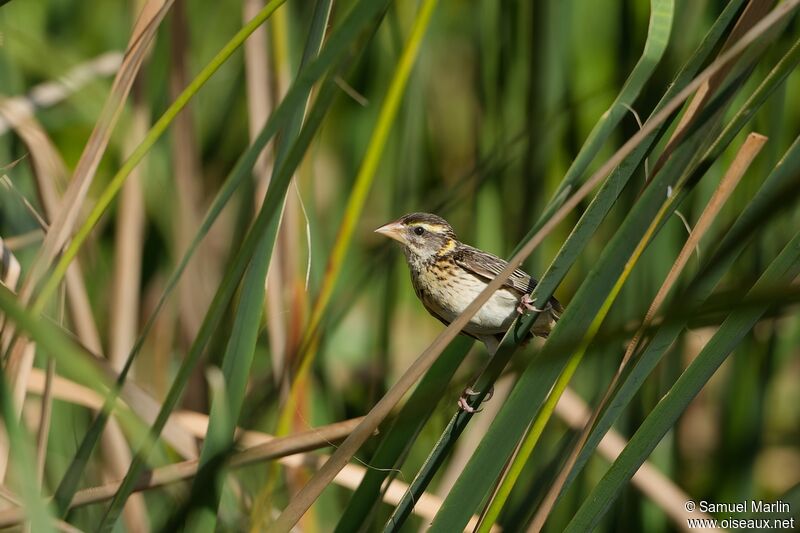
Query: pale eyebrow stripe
(429, 227)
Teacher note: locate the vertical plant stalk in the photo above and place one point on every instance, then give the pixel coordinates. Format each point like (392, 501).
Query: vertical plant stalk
(43, 433)
(268, 78)
(355, 204)
(195, 289)
(258, 87)
(46, 414)
(10, 271)
(259, 104)
(303, 500)
(124, 312)
(240, 349)
(751, 147)
(279, 311)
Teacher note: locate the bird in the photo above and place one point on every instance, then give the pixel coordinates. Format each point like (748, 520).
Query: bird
(447, 275)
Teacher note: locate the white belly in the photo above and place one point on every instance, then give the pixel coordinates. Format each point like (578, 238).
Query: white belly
(495, 316)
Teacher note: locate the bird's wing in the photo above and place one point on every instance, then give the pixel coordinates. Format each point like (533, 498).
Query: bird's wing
(488, 266)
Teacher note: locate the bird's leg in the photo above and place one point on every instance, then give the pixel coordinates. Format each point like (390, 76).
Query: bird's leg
(463, 401)
(526, 303)
(492, 344)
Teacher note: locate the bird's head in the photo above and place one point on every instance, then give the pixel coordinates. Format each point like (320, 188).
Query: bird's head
(423, 235)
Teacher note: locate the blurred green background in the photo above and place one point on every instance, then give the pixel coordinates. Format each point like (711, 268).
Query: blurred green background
(502, 96)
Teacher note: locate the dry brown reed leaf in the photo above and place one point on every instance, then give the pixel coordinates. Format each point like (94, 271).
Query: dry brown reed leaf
(23, 240)
(45, 415)
(195, 425)
(124, 306)
(20, 360)
(270, 448)
(66, 218)
(49, 172)
(49, 93)
(128, 244)
(139, 401)
(257, 447)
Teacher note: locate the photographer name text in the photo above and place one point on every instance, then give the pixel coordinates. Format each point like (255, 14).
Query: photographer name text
(744, 506)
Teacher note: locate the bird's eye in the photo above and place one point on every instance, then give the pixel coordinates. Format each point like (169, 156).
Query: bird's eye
(419, 230)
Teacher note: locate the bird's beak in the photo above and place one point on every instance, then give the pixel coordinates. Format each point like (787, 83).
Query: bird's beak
(393, 230)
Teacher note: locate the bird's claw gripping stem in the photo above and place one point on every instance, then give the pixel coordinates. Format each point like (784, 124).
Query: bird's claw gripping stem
(463, 401)
(526, 303)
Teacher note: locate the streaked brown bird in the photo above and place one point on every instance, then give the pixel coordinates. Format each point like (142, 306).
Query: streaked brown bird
(447, 275)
